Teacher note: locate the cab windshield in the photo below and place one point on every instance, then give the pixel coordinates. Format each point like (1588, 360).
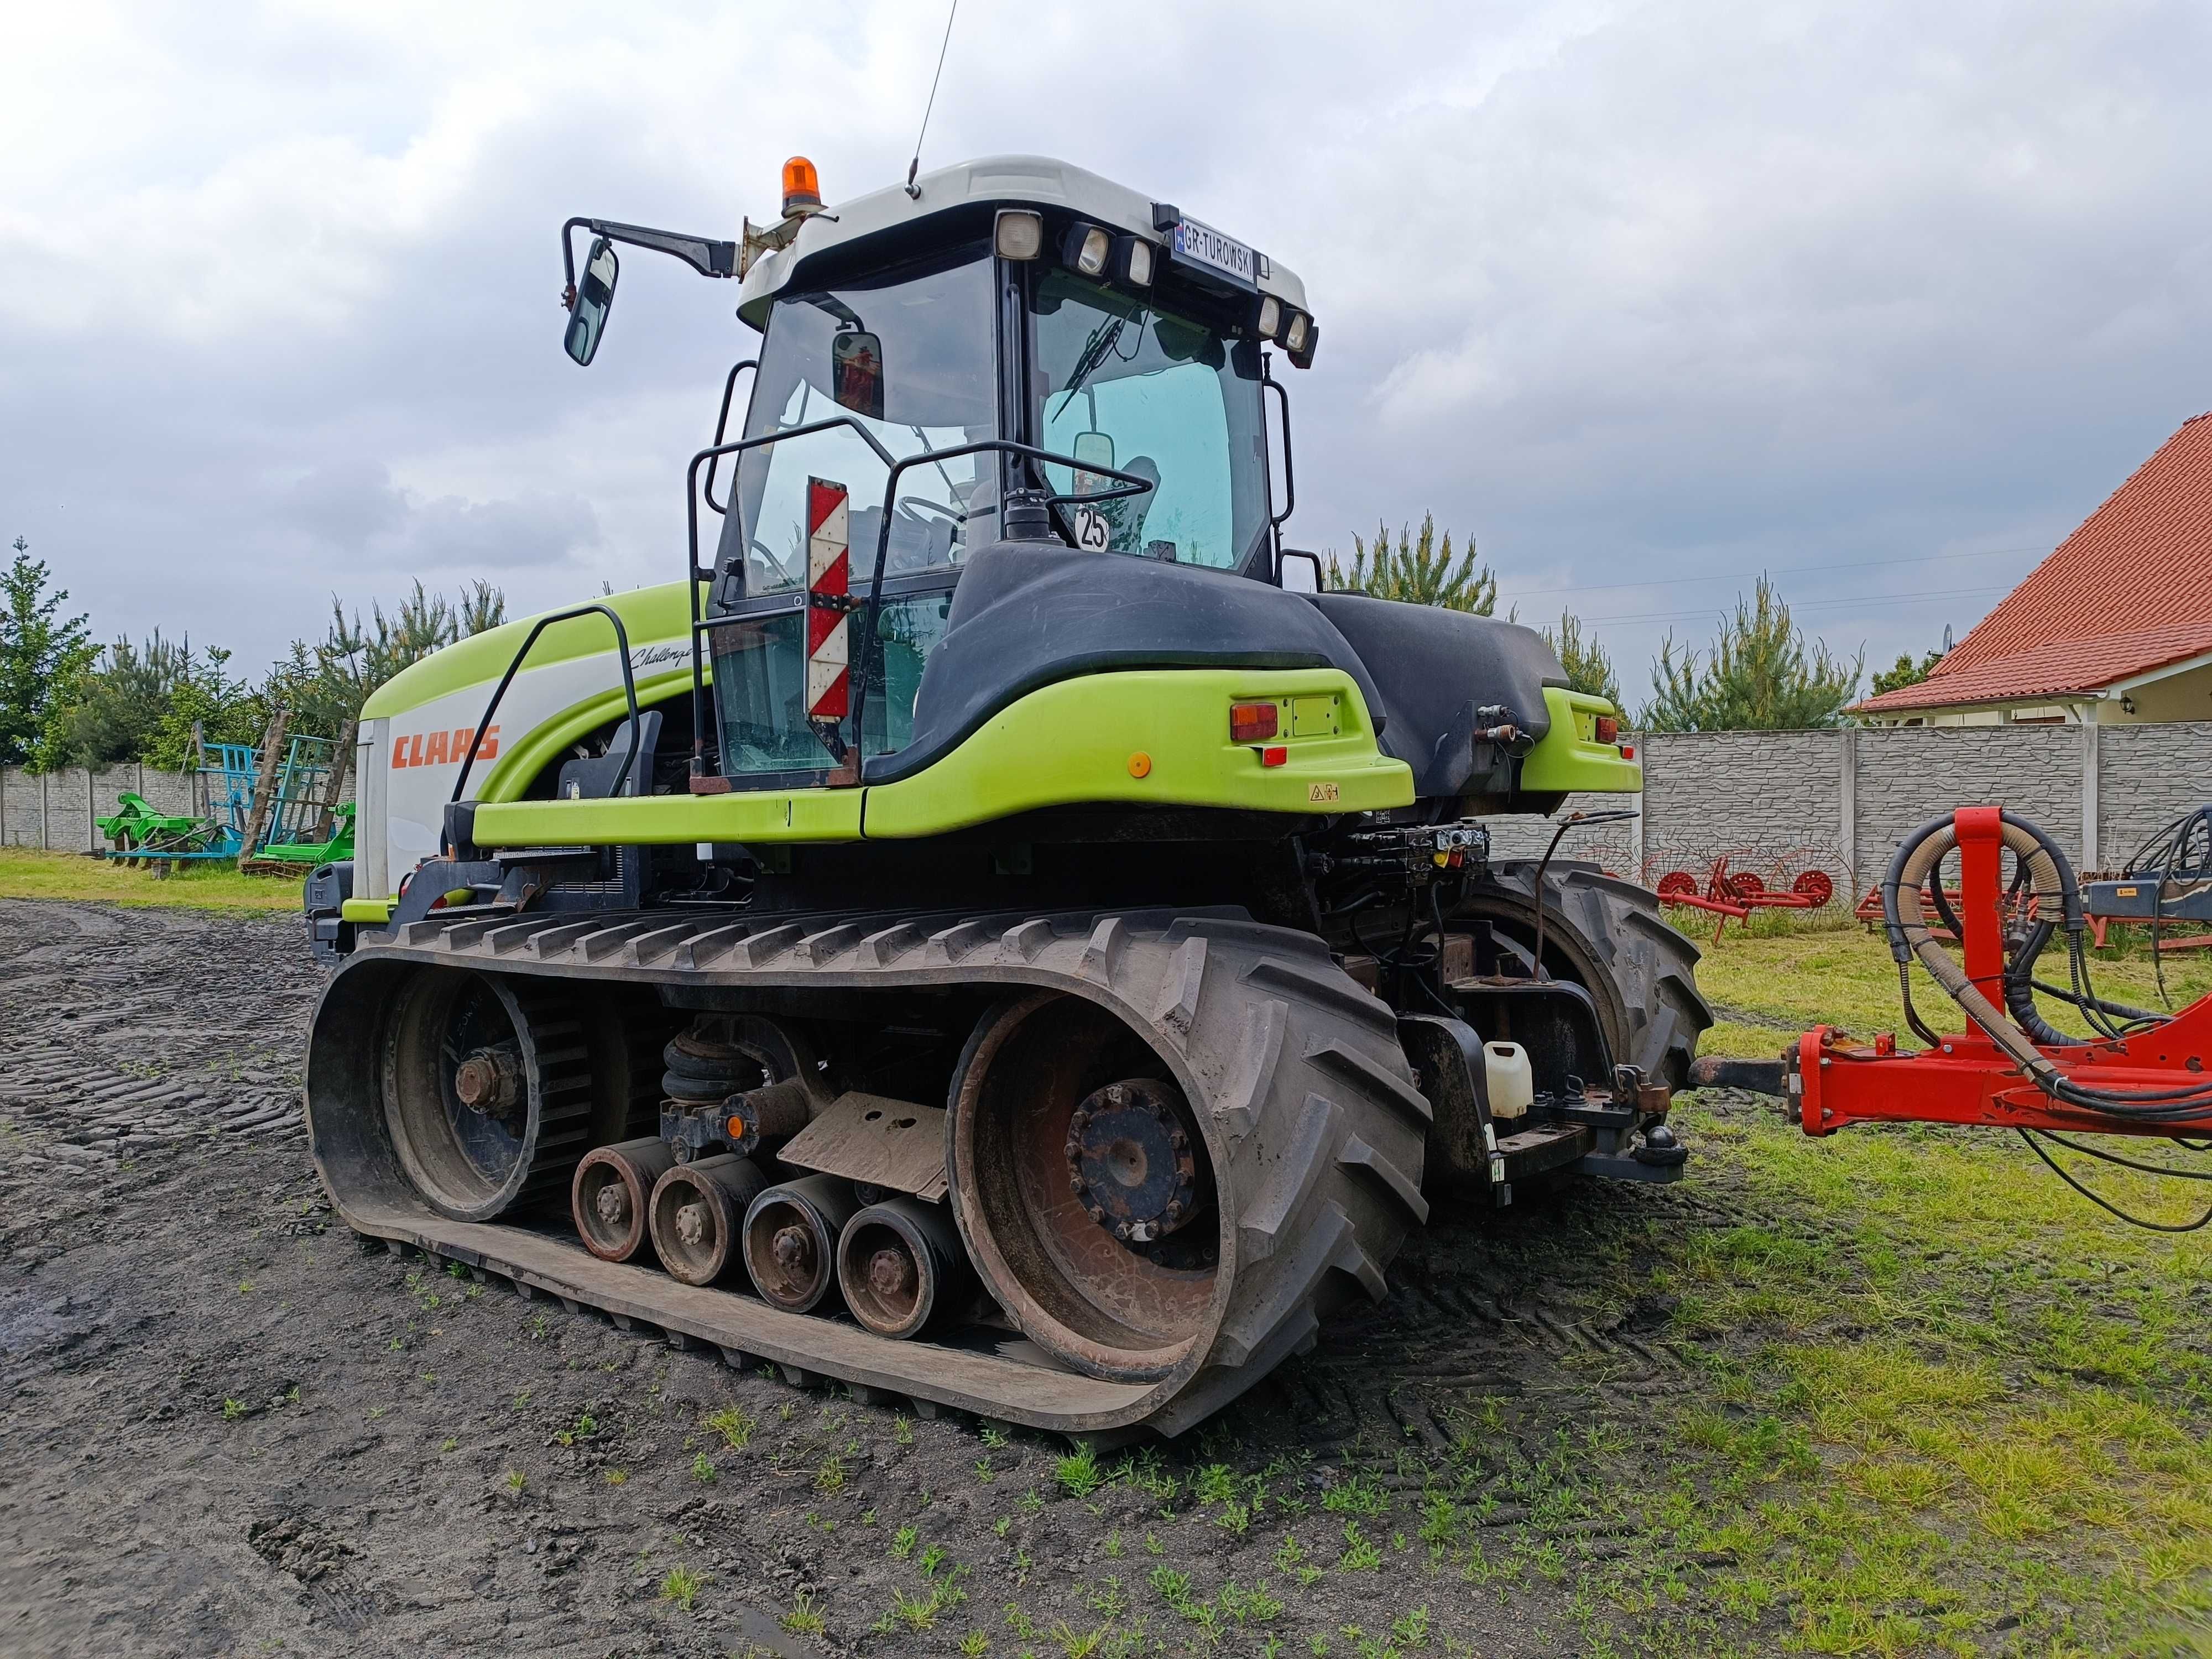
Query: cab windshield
(906, 355)
(1122, 384)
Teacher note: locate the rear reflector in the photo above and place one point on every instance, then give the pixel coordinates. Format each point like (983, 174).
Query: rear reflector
(1628, 751)
(1252, 722)
(1609, 729)
(1274, 756)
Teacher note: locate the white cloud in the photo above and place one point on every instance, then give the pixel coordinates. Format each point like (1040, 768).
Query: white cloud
(1636, 292)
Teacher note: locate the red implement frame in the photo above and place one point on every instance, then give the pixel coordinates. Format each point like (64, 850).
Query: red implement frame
(1968, 1079)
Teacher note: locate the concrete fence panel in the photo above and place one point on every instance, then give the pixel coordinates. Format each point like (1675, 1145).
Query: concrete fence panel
(1778, 802)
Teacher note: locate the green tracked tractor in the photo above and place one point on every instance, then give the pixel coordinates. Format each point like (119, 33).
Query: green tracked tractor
(992, 933)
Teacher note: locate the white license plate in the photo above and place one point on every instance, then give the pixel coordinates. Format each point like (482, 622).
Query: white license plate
(1205, 245)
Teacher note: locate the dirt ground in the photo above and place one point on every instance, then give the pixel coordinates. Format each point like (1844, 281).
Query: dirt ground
(230, 1428)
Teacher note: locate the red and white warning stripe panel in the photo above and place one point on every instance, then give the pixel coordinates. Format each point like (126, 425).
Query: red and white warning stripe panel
(829, 577)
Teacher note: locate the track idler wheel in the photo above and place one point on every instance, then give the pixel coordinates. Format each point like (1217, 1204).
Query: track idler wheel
(901, 1266)
(791, 1240)
(611, 1199)
(697, 1215)
(486, 1090)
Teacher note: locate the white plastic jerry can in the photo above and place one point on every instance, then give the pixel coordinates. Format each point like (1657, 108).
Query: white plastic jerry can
(1512, 1079)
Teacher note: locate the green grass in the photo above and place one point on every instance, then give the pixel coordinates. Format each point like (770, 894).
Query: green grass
(1790, 972)
(26, 872)
(1947, 1406)
(681, 1587)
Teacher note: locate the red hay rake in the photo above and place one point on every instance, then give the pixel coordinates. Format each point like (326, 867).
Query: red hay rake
(1736, 893)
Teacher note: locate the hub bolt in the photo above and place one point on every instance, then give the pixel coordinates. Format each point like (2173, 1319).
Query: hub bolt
(691, 1222)
(793, 1249)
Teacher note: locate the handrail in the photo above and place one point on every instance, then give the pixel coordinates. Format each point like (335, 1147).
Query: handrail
(1132, 485)
(695, 576)
(1275, 520)
(722, 422)
(630, 689)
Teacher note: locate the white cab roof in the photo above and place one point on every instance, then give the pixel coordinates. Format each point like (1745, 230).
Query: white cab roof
(995, 181)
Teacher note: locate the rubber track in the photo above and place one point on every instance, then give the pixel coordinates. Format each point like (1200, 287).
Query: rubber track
(1316, 1130)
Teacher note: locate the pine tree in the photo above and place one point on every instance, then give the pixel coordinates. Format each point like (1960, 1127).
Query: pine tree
(1906, 672)
(1759, 675)
(1418, 571)
(325, 683)
(41, 653)
(1588, 668)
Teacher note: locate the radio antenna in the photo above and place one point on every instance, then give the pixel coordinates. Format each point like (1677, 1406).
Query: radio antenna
(915, 166)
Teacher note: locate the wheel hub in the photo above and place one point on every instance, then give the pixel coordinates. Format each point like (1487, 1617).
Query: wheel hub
(793, 1249)
(1129, 1159)
(691, 1223)
(891, 1275)
(489, 1082)
(612, 1203)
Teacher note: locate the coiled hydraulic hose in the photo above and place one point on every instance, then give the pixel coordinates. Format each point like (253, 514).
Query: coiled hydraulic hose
(2044, 870)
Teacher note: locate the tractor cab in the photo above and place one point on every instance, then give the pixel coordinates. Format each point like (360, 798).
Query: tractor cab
(1011, 350)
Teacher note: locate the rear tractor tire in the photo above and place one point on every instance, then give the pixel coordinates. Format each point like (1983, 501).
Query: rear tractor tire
(1609, 937)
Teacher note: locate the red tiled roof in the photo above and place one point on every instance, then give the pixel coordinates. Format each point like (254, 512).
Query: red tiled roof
(2130, 591)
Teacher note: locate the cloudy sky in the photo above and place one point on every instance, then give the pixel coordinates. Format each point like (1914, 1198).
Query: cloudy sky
(1881, 298)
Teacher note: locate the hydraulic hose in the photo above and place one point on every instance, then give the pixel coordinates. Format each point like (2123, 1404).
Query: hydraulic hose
(2019, 989)
(1918, 859)
(1905, 920)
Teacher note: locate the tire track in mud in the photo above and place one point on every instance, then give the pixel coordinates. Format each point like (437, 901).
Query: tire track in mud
(130, 1032)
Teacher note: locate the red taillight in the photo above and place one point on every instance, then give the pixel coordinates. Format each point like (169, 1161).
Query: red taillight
(1252, 722)
(1274, 756)
(1609, 729)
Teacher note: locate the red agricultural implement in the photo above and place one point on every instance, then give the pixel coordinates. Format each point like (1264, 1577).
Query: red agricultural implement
(1737, 893)
(2139, 1074)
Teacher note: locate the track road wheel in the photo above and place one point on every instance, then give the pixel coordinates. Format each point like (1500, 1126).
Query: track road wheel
(613, 1195)
(486, 1087)
(1609, 936)
(901, 1266)
(697, 1215)
(791, 1234)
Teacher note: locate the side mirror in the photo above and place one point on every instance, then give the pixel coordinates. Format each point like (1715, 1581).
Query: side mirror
(1095, 450)
(1299, 573)
(590, 301)
(856, 359)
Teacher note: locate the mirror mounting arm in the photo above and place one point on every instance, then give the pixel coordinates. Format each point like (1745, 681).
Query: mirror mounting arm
(708, 257)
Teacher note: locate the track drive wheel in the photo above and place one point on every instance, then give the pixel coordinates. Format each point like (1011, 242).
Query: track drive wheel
(487, 1091)
(1177, 1182)
(1084, 1168)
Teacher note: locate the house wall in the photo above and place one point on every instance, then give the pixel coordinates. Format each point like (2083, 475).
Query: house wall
(2184, 696)
(2187, 696)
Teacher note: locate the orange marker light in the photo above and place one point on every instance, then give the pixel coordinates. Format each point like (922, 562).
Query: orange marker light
(1140, 764)
(802, 189)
